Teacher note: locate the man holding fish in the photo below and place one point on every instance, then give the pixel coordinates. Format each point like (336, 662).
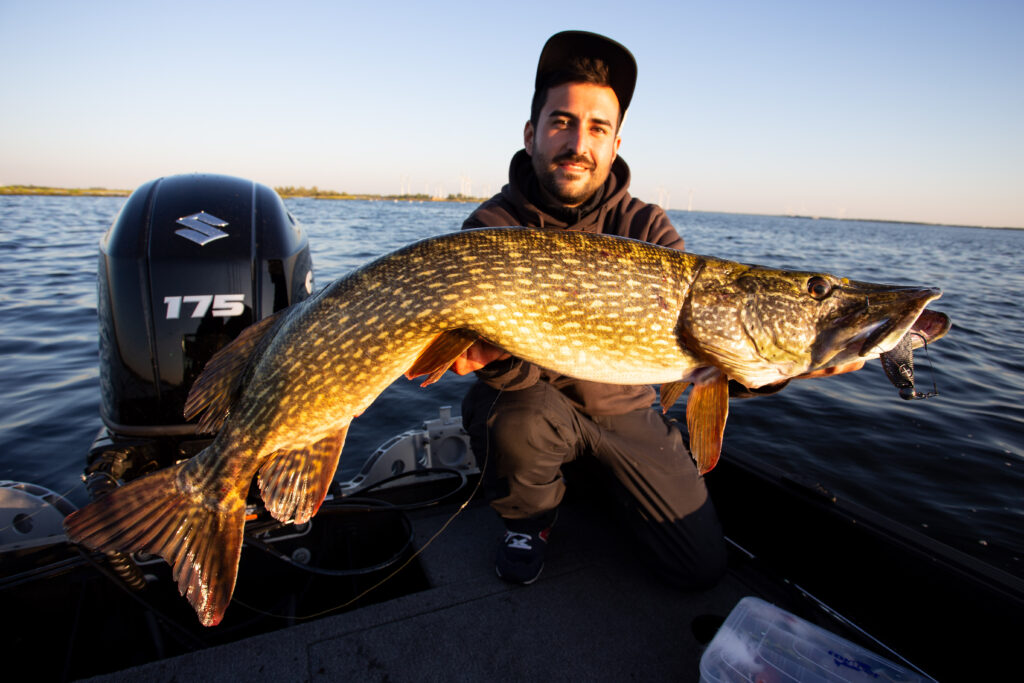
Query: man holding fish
(569, 177)
(618, 314)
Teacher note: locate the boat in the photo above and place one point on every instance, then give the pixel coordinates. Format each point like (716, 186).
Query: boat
(393, 579)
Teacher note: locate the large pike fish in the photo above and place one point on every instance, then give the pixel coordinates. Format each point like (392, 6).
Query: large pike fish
(601, 308)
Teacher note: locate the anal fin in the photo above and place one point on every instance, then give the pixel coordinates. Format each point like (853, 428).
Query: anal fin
(294, 483)
(439, 354)
(706, 413)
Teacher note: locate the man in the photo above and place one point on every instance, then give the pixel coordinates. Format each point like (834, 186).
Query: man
(569, 177)
(533, 421)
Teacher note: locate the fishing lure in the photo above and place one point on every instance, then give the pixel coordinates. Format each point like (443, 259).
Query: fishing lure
(899, 367)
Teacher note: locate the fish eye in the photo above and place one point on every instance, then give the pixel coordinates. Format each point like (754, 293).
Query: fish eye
(818, 287)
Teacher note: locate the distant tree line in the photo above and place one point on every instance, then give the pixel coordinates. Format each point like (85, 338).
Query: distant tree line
(317, 193)
(62, 191)
(285, 191)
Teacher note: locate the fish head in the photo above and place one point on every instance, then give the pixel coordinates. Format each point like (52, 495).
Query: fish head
(762, 325)
(873, 320)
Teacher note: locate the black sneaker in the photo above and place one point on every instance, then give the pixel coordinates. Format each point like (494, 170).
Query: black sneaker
(521, 553)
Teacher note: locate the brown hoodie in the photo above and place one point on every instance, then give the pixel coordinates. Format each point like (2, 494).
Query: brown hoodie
(612, 211)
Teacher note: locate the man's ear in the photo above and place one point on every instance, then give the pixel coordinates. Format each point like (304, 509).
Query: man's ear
(528, 138)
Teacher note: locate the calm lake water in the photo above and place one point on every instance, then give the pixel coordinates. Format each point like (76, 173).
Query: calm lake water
(951, 466)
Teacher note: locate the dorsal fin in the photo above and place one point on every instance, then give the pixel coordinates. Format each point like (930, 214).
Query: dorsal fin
(435, 359)
(224, 376)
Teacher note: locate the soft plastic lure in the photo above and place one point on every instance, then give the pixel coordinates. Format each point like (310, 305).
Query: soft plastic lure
(899, 367)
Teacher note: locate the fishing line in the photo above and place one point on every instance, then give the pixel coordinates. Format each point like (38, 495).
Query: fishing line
(771, 571)
(931, 368)
(413, 473)
(416, 553)
(444, 527)
(361, 571)
(362, 503)
(184, 637)
(62, 498)
(54, 568)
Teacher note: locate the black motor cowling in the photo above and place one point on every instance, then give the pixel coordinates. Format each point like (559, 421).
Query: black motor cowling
(189, 262)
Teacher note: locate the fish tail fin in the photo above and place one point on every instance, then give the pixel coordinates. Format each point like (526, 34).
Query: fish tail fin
(200, 541)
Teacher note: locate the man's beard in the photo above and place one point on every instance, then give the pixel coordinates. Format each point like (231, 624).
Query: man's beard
(570, 194)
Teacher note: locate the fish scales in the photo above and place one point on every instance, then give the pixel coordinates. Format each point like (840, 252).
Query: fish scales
(365, 302)
(595, 307)
(633, 292)
(560, 341)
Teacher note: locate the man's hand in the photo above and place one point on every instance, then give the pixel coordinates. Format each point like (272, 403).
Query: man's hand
(837, 370)
(477, 356)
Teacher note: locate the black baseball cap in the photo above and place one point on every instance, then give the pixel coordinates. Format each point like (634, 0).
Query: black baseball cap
(563, 46)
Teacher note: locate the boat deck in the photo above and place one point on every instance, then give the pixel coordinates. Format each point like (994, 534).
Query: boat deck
(596, 613)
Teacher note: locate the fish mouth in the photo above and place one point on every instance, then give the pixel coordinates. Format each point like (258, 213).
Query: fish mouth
(907, 309)
(929, 326)
(876, 317)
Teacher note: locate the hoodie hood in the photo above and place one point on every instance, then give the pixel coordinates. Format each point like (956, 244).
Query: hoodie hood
(523, 191)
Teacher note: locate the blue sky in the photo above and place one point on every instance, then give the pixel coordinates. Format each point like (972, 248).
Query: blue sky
(899, 110)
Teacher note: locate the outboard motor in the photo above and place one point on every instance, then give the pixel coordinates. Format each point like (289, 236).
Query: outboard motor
(190, 261)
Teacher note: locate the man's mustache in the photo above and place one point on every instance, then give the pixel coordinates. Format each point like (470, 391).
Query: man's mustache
(569, 158)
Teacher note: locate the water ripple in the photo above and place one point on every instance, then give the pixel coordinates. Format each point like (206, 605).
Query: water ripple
(951, 466)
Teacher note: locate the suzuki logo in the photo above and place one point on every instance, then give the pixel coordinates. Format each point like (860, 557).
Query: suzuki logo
(201, 228)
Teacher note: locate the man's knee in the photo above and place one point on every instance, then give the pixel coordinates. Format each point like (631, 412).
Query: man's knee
(526, 438)
(529, 444)
(518, 424)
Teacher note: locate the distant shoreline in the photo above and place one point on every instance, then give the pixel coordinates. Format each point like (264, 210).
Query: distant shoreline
(289, 192)
(61, 191)
(898, 222)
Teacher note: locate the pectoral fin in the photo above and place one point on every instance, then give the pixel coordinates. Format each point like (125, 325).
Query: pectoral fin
(294, 483)
(706, 412)
(439, 355)
(670, 393)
